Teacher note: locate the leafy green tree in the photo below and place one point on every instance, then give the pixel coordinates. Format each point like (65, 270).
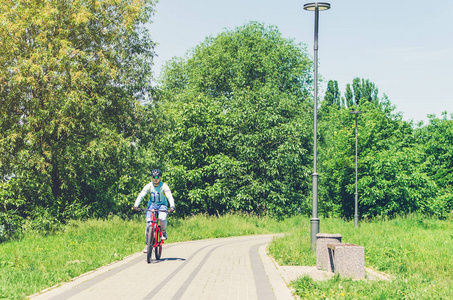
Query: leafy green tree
(391, 179)
(239, 123)
(71, 74)
(435, 140)
(349, 100)
(364, 90)
(333, 95)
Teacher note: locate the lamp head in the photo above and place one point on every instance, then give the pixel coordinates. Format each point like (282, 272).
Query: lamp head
(321, 6)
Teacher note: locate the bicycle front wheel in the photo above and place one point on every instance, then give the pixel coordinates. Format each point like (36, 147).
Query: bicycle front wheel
(149, 244)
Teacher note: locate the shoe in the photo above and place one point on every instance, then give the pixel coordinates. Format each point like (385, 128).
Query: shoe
(164, 235)
(146, 249)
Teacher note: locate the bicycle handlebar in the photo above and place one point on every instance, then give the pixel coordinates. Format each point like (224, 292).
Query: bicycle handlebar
(151, 210)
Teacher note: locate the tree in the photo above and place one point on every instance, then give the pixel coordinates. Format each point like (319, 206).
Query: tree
(391, 179)
(349, 96)
(364, 90)
(240, 128)
(71, 74)
(435, 140)
(333, 96)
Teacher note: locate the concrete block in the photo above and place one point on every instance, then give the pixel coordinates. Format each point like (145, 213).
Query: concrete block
(347, 260)
(322, 253)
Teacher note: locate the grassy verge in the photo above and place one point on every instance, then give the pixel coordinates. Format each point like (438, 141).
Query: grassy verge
(415, 250)
(36, 262)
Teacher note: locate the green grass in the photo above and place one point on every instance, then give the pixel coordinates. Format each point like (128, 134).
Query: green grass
(36, 262)
(416, 251)
(204, 227)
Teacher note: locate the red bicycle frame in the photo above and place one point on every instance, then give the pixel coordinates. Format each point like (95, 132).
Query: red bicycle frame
(156, 231)
(153, 235)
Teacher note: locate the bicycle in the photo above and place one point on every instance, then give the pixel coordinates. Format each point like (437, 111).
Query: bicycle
(153, 235)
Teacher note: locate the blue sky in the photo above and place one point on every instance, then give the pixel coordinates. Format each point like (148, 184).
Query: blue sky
(404, 47)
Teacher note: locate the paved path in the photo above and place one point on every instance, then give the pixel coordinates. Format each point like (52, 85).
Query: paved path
(226, 268)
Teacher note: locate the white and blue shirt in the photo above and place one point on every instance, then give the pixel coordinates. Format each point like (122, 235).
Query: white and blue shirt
(158, 195)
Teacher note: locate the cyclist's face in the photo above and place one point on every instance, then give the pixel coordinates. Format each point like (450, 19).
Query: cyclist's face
(156, 181)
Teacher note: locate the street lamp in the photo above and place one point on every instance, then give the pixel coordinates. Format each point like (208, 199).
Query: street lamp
(314, 221)
(356, 214)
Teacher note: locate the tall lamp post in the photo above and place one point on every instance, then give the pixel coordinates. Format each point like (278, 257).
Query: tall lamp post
(356, 214)
(314, 221)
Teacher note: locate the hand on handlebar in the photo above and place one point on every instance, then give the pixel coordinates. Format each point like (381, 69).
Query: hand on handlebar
(152, 210)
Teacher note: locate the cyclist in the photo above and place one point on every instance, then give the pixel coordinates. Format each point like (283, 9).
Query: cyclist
(159, 198)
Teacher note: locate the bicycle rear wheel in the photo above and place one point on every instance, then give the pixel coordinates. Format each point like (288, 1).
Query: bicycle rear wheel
(150, 243)
(158, 248)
